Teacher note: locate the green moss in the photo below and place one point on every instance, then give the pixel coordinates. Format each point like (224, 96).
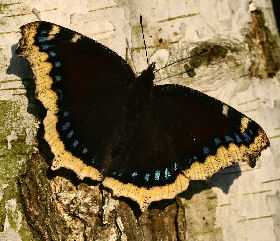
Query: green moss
(3, 6)
(13, 159)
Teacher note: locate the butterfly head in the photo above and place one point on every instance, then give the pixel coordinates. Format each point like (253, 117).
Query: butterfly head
(148, 73)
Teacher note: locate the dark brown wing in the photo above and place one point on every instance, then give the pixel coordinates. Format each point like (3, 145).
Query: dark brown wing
(81, 83)
(183, 135)
(209, 134)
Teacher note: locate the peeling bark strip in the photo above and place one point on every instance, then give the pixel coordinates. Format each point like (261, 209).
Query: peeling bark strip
(266, 61)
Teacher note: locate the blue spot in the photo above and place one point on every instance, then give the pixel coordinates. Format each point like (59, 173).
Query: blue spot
(45, 46)
(92, 160)
(52, 54)
(251, 132)
(120, 174)
(147, 177)
(246, 137)
(44, 32)
(65, 114)
(134, 174)
(167, 173)
(157, 175)
(206, 150)
(228, 139)
(66, 125)
(217, 141)
(175, 166)
(75, 143)
(42, 39)
(57, 78)
(57, 64)
(195, 158)
(190, 161)
(114, 173)
(59, 92)
(70, 134)
(85, 151)
(238, 139)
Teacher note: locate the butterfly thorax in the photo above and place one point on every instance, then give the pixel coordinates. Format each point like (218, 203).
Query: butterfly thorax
(140, 91)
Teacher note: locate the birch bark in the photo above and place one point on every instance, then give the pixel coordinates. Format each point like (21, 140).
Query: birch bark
(238, 203)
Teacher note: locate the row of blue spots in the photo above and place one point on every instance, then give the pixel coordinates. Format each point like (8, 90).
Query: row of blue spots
(237, 139)
(57, 64)
(228, 139)
(42, 40)
(147, 176)
(71, 133)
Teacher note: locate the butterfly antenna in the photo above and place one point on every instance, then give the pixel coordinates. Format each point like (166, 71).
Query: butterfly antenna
(201, 52)
(131, 57)
(144, 39)
(37, 13)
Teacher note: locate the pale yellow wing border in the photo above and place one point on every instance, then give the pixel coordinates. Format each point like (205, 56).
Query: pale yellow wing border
(48, 97)
(198, 171)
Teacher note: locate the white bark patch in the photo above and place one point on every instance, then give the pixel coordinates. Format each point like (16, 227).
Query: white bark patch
(10, 138)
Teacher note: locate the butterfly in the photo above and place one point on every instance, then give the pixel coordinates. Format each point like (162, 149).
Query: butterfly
(143, 141)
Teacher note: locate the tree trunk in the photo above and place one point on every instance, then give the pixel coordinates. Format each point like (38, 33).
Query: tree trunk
(241, 69)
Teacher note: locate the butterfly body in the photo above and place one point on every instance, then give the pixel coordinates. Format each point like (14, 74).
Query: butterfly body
(141, 140)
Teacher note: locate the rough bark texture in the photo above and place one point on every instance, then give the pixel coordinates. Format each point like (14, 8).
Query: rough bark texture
(242, 69)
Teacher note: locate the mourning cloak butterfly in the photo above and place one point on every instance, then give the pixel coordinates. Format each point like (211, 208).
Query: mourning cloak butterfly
(141, 140)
